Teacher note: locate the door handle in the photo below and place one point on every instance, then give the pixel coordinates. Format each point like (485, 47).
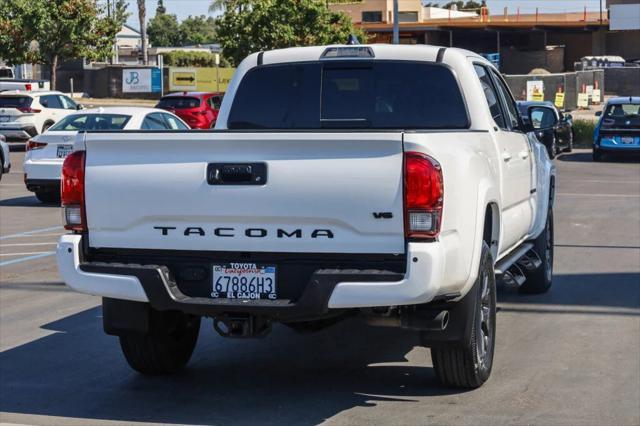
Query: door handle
(524, 154)
(506, 156)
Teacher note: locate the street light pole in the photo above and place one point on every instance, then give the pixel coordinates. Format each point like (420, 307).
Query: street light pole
(600, 12)
(396, 28)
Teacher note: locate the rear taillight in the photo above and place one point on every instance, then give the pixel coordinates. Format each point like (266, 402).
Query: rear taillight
(423, 195)
(32, 145)
(27, 87)
(72, 192)
(28, 110)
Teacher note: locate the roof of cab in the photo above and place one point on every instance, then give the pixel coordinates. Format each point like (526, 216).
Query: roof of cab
(380, 51)
(624, 100)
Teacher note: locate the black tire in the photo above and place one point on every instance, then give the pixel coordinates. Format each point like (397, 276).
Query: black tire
(597, 155)
(48, 197)
(168, 345)
(469, 365)
(539, 281)
(569, 147)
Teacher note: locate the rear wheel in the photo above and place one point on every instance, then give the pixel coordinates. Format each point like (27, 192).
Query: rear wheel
(48, 197)
(539, 281)
(168, 345)
(469, 365)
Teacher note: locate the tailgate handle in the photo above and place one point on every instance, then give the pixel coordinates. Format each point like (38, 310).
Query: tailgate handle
(237, 173)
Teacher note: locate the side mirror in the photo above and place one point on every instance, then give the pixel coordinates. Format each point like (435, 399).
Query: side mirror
(542, 117)
(79, 107)
(568, 117)
(598, 113)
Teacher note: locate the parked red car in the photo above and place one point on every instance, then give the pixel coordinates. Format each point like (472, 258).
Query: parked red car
(198, 109)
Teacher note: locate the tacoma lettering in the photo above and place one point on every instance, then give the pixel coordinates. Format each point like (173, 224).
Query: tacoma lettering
(229, 232)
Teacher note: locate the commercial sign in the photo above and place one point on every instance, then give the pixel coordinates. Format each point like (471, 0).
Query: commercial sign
(535, 90)
(583, 100)
(141, 80)
(595, 96)
(200, 79)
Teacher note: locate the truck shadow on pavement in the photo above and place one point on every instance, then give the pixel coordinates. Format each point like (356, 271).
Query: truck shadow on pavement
(286, 378)
(25, 201)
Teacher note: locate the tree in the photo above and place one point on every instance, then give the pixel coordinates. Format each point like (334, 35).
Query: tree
(163, 30)
(142, 17)
(253, 25)
(198, 30)
(48, 32)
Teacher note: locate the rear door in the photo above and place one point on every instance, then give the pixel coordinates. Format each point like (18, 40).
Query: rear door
(517, 185)
(306, 192)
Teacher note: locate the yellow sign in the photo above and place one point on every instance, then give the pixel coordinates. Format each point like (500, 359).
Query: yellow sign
(595, 96)
(182, 78)
(583, 100)
(537, 96)
(200, 79)
(559, 101)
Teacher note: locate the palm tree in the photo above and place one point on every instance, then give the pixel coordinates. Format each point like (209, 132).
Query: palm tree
(142, 14)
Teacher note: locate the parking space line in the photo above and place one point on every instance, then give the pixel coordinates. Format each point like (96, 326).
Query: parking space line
(24, 259)
(30, 233)
(572, 194)
(29, 244)
(23, 254)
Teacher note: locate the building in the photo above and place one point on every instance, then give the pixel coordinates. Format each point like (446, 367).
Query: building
(554, 41)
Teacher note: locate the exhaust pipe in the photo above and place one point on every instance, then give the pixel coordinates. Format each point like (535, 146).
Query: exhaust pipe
(423, 320)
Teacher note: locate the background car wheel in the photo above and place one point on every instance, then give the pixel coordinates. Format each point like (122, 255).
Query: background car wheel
(48, 197)
(469, 365)
(597, 155)
(552, 149)
(168, 345)
(539, 281)
(569, 147)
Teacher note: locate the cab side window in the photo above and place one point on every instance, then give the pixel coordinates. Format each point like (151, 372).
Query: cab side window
(51, 101)
(511, 110)
(490, 95)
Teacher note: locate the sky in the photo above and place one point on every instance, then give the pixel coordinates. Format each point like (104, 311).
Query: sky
(184, 8)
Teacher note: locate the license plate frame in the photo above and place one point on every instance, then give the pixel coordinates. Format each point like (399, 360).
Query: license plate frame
(627, 140)
(244, 281)
(63, 150)
(4, 118)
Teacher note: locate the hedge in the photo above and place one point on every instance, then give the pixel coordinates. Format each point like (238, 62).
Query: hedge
(583, 133)
(181, 58)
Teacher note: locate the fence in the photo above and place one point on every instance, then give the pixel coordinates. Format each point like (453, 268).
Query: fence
(571, 84)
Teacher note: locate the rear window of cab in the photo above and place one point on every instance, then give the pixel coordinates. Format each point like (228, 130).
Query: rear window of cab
(349, 95)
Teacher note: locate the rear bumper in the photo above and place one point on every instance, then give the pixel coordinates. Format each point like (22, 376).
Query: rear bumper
(50, 170)
(43, 185)
(327, 288)
(18, 133)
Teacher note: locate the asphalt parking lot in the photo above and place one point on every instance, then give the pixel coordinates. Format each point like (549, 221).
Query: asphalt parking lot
(568, 357)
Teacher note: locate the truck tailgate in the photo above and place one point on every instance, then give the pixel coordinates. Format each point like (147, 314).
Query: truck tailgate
(326, 192)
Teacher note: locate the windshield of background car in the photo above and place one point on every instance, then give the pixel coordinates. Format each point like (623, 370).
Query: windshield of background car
(15, 101)
(349, 94)
(622, 115)
(178, 102)
(78, 122)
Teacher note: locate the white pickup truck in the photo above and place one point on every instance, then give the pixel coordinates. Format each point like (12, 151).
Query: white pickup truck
(390, 182)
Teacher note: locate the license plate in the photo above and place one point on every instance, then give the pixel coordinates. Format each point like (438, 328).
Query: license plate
(64, 150)
(627, 140)
(246, 281)
(4, 118)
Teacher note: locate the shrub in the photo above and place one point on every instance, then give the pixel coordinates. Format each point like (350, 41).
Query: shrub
(583, 133)
(182, 58)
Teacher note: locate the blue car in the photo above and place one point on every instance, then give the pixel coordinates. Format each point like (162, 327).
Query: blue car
(618, 130)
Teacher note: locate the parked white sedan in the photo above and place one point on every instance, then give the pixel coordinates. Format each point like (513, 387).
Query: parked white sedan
(45, 153)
